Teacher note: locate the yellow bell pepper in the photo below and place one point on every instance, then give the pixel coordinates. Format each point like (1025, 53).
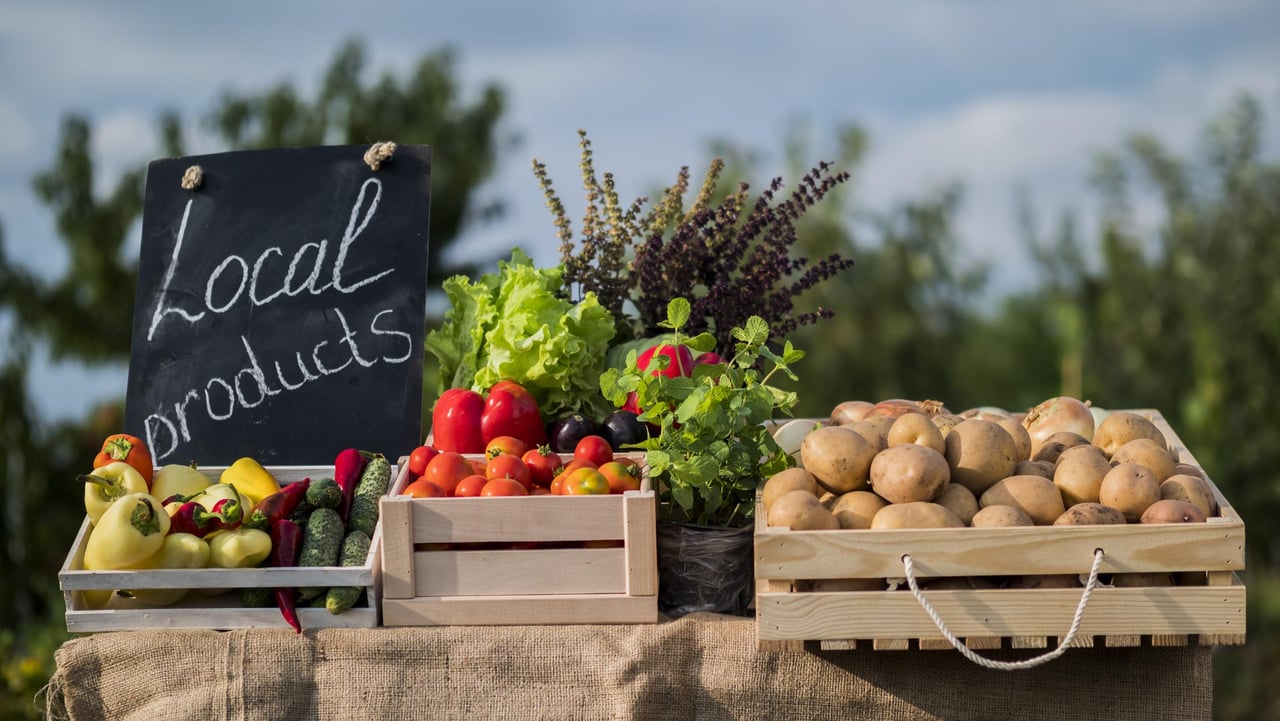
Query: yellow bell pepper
(179, 550)
(252, 480)
(239, 548)
(106, 484)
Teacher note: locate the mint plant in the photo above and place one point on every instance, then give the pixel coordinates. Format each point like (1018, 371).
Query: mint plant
(711, 450)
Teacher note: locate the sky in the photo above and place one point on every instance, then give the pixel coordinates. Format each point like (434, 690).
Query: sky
(1002, 97)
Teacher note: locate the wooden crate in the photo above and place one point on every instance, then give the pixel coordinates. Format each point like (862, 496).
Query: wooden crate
(1208, 614)
(438, 568)
(201, 611)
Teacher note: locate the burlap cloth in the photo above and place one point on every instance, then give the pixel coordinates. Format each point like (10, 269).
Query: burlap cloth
(699, 667)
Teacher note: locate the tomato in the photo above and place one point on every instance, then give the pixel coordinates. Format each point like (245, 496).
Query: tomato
(585, 481)
(557, 485)
(504, 487)
(505, 445)
(127, 448)
(621, 478)
(595, 449)
(455, 421)
(543, 464)
(478, 465)
(446, 470)
(419, 459)
(422, 488)
(510, 410)
(470, 486)
(540, 491)
(505, 466)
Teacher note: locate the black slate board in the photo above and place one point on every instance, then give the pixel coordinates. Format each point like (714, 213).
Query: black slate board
(235, 355)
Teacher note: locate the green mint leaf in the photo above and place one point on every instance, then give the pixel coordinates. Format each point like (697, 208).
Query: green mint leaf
(702, 342)
(678, 311)
(682, 495)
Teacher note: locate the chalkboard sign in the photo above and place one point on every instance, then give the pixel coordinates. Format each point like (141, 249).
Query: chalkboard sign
(281, 306)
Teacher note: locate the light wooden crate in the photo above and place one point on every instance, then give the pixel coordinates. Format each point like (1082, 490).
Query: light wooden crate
(439, 569)
(1209, 613)
(198, 610)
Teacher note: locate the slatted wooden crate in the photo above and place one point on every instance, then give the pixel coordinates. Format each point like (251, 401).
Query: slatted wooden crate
(1208, 613)
(449, 561)
(198, 610)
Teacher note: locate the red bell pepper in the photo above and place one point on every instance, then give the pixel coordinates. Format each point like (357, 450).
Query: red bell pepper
(511, 410)
(456, 421)
(278, 505)
(286, 544)
(347, 469)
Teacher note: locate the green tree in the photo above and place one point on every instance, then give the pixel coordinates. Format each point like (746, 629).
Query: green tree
(85, 313)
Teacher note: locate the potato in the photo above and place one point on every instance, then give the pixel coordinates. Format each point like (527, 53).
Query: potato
(801, 511)
(1078, 474)
(980, 453)
(875, 429)
(1090, 514)
(916, 429)
(791, 434)
(1033, 468)
(1192, 489)
(1170, 511)
(1120, 427)
(1129, 488)
(792, 479)
(850, 411)
(1036, 496)
(838, 458)
(959, 500)
(907, 473)
(998, 516)
(1021, 438)
(1188, 469)
(1146, 452)
(1054, 445)
(945, 422)
(917, 514)
(855, 509)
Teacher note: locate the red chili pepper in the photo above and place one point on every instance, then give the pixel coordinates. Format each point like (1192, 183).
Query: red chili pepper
(192, 518)
(286, 544)
(455, 421)
(278, 505)
(511, 410)
(347, 468)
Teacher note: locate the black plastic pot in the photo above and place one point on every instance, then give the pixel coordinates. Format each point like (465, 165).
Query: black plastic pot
(705, 568)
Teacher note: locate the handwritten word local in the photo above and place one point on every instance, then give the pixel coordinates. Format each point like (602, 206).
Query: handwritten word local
(251, 386)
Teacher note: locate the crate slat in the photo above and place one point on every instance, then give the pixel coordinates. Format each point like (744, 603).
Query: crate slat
(519, 610)
(517, 572)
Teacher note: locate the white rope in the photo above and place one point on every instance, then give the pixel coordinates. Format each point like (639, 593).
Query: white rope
(1007, 665)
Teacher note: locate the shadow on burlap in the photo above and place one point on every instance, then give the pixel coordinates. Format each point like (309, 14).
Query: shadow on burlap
(702, 666)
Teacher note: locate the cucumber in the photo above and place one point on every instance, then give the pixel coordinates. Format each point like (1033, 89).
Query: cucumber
(355, 550)
(324, 493)
(321, 544)
(372, 486)
(302, 512)
(256, 597)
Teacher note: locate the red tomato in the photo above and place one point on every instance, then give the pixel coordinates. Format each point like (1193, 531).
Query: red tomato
(505, 466)
(557, 485)
(478, 464)
(505, 445)
(595, 449)
(585, 481)
(446, 469)
(422, 488)
(543, 464)
(621, 478)
(470, 486)
(504, 487)
(419, 459)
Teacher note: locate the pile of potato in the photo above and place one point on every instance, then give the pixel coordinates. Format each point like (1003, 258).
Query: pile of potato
(916, 465)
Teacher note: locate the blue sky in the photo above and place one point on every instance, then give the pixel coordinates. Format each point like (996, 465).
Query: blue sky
(996, 95)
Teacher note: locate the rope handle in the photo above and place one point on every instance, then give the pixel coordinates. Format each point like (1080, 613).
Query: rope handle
(1007, 665)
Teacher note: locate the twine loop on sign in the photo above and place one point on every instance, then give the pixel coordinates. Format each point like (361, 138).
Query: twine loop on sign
(379, 153)
(192, 178)
(968, 653)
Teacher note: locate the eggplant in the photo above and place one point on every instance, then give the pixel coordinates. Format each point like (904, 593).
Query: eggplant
(566, 431)
(622, 428)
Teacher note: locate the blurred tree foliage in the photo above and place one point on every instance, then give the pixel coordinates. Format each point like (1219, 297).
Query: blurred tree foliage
(85, 314)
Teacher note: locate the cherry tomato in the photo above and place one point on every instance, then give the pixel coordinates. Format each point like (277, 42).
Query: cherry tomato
(505, 445)
(504, 487)
(595, 449)
(543, 464)
(470, 486)
(621, 478)
(419, 459)
(585, 481)
(505, 466)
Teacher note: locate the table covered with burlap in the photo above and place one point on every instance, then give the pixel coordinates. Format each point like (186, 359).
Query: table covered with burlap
(702, 666)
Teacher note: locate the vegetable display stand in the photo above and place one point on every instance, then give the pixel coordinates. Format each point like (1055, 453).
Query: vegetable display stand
(214, 601)
(1206, 606)
(519, 559)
